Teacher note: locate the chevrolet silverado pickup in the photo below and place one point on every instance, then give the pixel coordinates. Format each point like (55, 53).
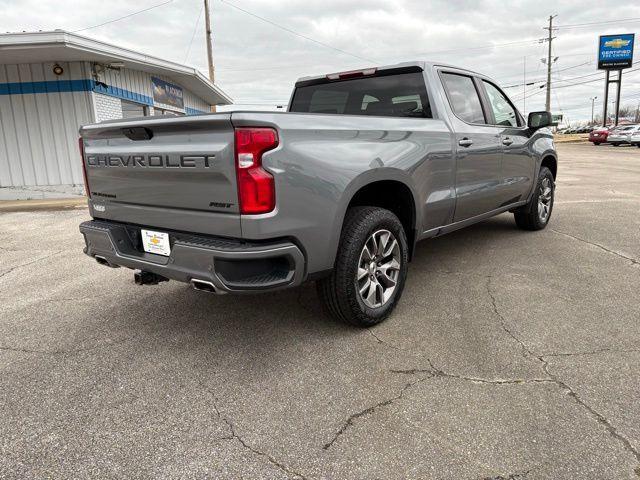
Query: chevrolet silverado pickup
(337, 190)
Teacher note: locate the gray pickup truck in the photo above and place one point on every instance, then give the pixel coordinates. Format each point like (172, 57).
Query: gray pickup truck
(338, 189)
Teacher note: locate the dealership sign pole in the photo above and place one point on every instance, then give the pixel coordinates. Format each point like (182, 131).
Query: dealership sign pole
(615, 52)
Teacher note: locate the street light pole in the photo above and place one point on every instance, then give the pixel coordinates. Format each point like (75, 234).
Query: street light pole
(593, 101)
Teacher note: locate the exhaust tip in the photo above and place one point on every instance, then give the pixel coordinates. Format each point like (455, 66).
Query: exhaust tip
(203, 286)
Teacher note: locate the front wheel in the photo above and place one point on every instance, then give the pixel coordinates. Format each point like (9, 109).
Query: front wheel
(535, 215)
(596, 143)
(370, 268)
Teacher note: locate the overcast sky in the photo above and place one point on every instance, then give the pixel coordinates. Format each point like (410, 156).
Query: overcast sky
(258, 62)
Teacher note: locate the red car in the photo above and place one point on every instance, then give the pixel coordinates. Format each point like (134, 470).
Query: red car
(599, 135)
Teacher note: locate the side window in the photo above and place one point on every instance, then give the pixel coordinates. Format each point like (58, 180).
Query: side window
(503, 112)
(463, 97)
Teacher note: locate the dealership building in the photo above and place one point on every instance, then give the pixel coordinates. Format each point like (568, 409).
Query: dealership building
(53, 82)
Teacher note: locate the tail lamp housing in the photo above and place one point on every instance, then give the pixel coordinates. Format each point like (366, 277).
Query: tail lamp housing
(256, 186)
(87, 192)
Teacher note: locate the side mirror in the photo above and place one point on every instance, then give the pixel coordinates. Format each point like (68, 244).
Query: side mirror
(540, 120)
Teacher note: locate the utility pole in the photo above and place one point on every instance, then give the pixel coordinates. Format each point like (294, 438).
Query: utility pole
(549, 39)
(593, 102)
(207, 20)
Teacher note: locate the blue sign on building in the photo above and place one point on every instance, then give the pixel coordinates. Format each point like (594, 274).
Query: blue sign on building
(615, 51)
(167, 93)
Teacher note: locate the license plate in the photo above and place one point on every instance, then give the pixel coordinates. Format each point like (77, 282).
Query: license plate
(156, 242)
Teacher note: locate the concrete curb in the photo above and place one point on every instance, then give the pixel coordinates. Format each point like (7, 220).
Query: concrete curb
(7, 206)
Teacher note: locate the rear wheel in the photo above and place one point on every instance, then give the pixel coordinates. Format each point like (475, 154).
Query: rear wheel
(370, 268)
(596, 143)
(535, 215)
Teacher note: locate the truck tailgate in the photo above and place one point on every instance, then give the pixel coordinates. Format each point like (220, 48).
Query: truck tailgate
(174, 173)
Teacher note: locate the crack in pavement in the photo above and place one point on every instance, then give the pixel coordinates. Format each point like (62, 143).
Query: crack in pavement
(233, 435)
(545, 367)
(378, 339)
(369, 410)
(6, 272)
(511, 476)
(503, 322)
(594, 413)
(67, 351)
(526, 352)
(437, 372)
(602, 247)
(592, 352)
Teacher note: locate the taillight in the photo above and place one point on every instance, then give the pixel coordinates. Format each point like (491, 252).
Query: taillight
(256, 187)
(84, 168)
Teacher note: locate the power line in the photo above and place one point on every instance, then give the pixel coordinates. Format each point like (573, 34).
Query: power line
(582, 25)
(195, 29)
(469, 49)
(594, 80)
(286, 29)
(122, 18)
(536, 71)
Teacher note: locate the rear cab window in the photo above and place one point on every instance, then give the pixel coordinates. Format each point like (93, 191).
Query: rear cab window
(386, 94)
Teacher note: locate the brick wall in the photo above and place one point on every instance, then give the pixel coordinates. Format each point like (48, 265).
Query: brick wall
(107, 107)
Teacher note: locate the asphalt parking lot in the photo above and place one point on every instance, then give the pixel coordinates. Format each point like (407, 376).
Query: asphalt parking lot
(512, 355)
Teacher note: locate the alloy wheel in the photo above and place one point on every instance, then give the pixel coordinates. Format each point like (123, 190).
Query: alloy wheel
(545, 199)
(378, 269)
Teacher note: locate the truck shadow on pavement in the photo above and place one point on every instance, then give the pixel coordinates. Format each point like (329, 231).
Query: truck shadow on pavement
(179, 310)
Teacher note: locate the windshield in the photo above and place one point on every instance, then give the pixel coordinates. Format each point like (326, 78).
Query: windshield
(399, 95)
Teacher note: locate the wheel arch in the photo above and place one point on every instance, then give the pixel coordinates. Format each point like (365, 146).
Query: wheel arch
(551, 162)
(385, 188)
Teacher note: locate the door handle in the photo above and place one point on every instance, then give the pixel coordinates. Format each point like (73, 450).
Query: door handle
(465, 142)
(507, 141)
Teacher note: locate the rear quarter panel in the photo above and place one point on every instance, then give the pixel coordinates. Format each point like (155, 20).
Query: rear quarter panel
(323, 160)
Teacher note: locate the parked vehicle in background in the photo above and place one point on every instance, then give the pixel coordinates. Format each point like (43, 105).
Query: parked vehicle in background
(338, 189)
(622, 135)
(635, 138)
(599, 135)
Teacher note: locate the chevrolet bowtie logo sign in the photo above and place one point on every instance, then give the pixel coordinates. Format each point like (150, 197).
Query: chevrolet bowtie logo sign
(617, 43)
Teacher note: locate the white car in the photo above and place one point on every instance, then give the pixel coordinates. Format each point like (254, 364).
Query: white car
(622, 135)
(635, 138)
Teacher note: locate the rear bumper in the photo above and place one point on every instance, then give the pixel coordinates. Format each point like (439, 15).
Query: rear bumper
(230, 265)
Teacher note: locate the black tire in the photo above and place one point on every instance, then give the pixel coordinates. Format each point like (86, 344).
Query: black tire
(527, 216)
(339, 291)
(615, 144)
(596, 143)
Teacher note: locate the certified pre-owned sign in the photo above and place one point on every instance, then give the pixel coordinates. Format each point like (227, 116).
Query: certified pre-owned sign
(615, 51)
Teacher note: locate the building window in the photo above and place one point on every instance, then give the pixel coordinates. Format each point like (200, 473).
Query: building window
(162, 111)
(131, 109)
